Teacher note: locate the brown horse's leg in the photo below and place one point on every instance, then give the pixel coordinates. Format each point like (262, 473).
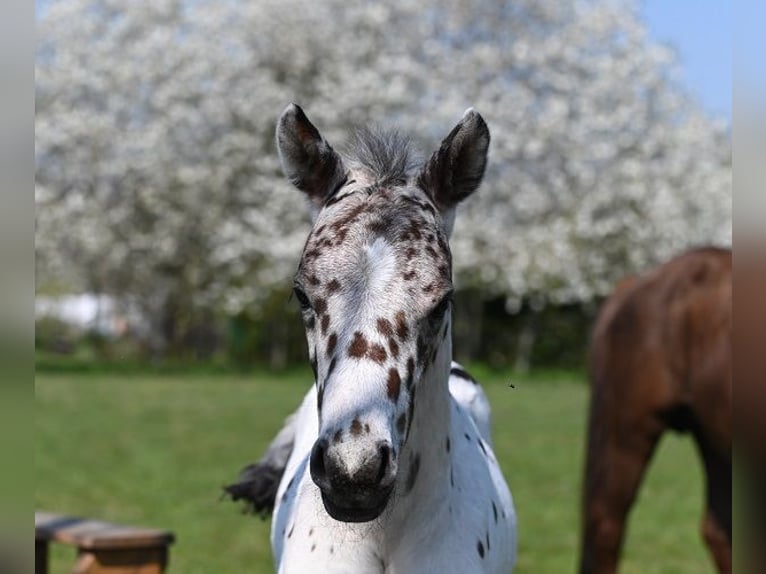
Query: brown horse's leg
(614, 469)
(752, 511)
(717, 542)
(716, 523)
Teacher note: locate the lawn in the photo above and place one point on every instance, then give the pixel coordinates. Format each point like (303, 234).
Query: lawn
(155, 449)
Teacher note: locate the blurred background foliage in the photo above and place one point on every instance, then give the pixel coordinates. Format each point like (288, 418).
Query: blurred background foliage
(166, 233)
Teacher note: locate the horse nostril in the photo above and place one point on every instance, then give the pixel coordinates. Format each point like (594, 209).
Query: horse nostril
(317, 463)
(385, 470)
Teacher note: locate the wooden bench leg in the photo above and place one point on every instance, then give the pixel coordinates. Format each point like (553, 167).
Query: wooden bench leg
(41, 557)
(143, 561)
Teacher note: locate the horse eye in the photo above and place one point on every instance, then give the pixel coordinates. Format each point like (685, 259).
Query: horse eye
(439, 311)
(302, 298)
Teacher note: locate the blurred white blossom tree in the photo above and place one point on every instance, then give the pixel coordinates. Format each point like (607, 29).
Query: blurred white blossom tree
(157, 176)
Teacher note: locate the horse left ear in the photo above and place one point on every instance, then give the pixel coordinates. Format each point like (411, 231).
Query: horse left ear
(307, 159)
(456, 169)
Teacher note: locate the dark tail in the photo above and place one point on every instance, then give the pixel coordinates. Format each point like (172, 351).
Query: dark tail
(257, 483)
(256, 486)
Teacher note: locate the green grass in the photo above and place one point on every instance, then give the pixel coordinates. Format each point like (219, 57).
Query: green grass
(155, 449)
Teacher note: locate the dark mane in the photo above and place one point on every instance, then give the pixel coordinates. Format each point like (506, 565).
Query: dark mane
(387, 155)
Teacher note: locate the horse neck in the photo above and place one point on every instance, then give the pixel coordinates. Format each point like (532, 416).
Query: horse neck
(430, 428)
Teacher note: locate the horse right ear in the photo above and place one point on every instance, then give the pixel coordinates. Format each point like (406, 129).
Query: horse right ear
(456, 169)
(307, 159)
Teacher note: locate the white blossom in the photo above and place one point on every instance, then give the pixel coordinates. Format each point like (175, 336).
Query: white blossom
(157, 173)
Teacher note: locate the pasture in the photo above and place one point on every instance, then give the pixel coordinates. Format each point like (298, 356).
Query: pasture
(154, 450)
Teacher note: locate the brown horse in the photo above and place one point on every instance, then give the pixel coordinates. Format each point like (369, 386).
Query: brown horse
(660, 359)
(750, 403)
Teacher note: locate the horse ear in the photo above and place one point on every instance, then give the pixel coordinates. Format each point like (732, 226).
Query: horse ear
(307, 159)
(456, 169)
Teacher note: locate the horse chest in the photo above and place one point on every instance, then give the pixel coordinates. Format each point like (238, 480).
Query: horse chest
(458, 520)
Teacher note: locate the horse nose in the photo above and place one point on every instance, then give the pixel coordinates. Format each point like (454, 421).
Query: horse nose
(375, 468)
(318, 464)
(385, 466)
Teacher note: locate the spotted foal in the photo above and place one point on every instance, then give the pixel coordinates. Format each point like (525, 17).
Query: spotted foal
(389, 465)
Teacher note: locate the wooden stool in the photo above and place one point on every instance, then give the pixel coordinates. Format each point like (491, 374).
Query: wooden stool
(102, 547)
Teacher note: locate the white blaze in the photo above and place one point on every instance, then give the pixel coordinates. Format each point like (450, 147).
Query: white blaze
(380, 265)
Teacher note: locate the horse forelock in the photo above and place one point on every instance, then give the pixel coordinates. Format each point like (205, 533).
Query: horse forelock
(387, 156)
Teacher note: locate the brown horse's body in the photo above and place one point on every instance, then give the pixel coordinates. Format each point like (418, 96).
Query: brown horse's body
(660, 359)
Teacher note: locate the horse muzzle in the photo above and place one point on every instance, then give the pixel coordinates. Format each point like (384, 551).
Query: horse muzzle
(358, 495)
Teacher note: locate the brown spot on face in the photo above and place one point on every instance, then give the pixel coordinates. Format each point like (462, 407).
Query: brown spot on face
(409, 276)
(430, 250)
(410, 253)
(366, 428)
(413, 228)
(325, 323)
(393, 346)
(401, 423)
(428, 288)
(332, 341)
(358, 347)
(313, 279)
(401, 326)
(320, 306)
(333, 286)
(336, 438)
(310, 254)
(385, 328)
(356, 427)
(349, 218)
(378, 227)
(318, 231)
(377, 353)
(393, 384)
